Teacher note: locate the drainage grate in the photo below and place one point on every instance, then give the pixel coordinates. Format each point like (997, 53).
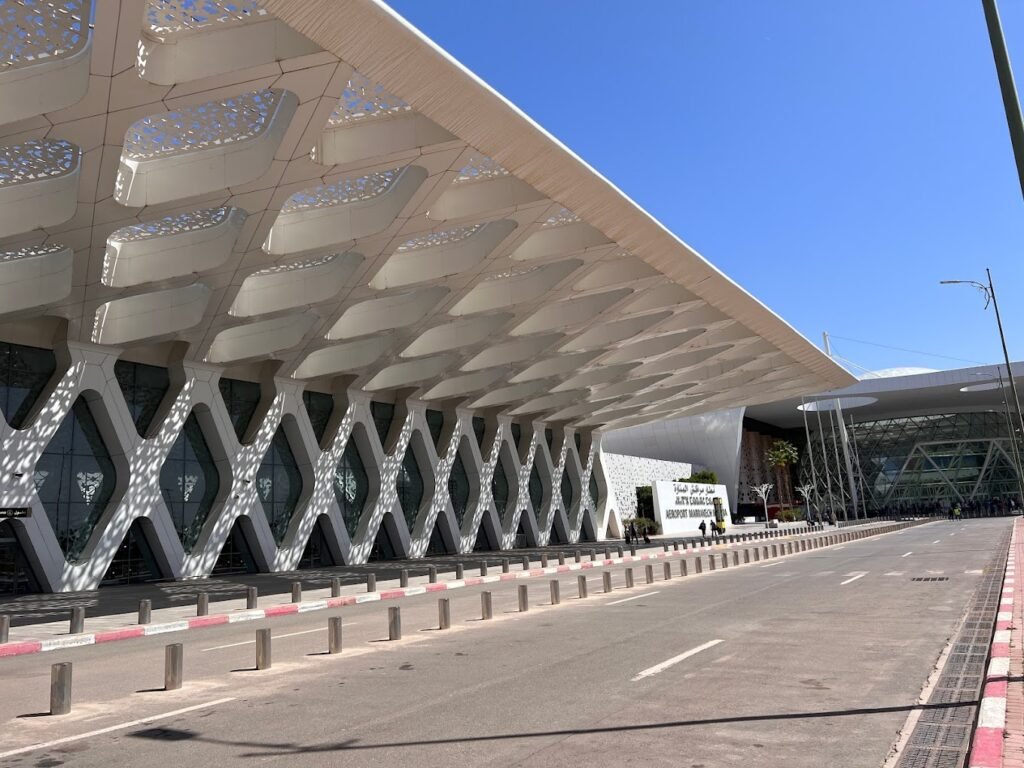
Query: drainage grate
(942, 736)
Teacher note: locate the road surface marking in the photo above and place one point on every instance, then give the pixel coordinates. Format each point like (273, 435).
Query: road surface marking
(276, 637)
(674, 660)
(895, 573)
(635, 597)
(936, 573)
(907, 554)
(936, 541)
(858, 576)
(836, 549)
(110, 729)
(974, 573)
(772, 564)
(825, 573)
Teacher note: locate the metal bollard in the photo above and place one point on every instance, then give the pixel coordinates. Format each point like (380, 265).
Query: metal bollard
(486, 606)
(432, 574)
(173, 663)
(593, 555)
(649, 573)
(581, 586)
(296, 591)
(725, 559)
(561, 558)
(77, 621)
(607, 553)
(263, 655)
(543, 560)
(746, 556)
(505, 565)
(764, 553)
(665, 546)
(526, 563)
(632, 550)
(524, 600)
(775, 550)
(698, 566)
(203, 604)
(251, 598)
(145, 611)
(757, 554)
(711, 562)
(675, 546)
(444, 613)
(666, 569)
(334, 634)
(483, 568)
(335, 587)
(371, 582)
(682, 567)
(620, 551)
(403, 577)
(607, 579)
(5, 629)
(556, 596)
(460, 571)
(60, 688)
(394, 623)
(735, 558)
(577, 555)
(629, 578)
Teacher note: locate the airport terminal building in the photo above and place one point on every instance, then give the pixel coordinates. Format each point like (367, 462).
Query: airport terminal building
(284, 285)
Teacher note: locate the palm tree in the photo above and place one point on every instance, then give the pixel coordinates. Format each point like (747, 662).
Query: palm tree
(781, 454)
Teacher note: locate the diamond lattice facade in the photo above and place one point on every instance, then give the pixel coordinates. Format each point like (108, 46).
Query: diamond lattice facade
(234, 234)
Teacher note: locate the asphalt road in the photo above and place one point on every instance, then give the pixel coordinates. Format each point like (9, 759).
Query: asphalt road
(812, 660)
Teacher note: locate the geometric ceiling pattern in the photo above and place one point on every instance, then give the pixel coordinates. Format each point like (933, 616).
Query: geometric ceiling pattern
(313, 183)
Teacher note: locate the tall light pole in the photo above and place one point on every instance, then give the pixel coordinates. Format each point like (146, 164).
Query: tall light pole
(990, 296)
(1011, 105)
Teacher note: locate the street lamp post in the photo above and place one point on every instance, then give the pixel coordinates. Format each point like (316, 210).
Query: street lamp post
(990, 296)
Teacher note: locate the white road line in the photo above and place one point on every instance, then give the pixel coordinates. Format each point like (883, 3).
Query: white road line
(858, 576)
(635, 597)
(907, 554)
(112, 728)
(674, 660)
(276, 637)
(974, 573)
(770, 565)
(936, 541)
(895, 573)
(825, 573)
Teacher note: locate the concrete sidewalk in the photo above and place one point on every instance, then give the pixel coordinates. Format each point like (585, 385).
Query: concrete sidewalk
(28, 638)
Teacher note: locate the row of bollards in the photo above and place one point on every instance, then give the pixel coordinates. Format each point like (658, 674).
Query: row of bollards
(765, 552)
(61, 673)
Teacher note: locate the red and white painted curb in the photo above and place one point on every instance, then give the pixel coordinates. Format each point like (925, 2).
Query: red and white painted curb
(987, 745)
(25, 647)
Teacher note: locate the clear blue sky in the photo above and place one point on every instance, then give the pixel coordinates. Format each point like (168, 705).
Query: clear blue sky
(837, 159)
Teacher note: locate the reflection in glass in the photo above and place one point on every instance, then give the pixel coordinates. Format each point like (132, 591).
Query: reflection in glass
(241, 398)
(351, 486)
(458, 488)
(319, 406)
(279, 484)
(189, 482)
(410, 487)
(75, 479)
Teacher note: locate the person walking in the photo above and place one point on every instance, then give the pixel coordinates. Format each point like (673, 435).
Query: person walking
(703, 531)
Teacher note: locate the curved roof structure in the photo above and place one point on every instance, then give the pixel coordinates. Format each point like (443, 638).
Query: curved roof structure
(315, 183)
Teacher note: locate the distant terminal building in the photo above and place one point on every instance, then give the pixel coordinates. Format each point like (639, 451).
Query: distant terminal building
(899, 440)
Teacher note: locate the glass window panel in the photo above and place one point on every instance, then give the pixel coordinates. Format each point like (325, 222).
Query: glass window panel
(75, 479)
(241, 398)
(410, 487)
(435, 421)
(458, 488)
(143, 387)
(499, 487)
(279, 485)
(351, 486)
(189, 482)
(24, 373)
(319, 406)
(383, 414)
